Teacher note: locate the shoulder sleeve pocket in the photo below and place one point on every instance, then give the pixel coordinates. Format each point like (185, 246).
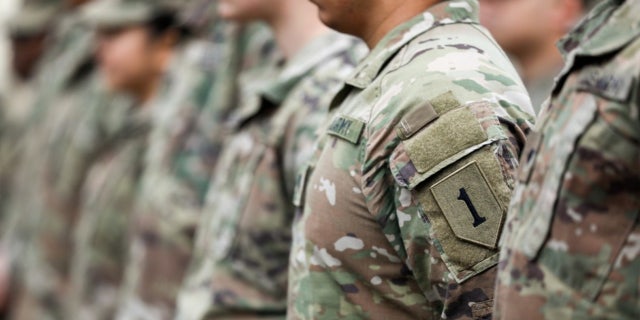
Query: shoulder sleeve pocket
(455, 168)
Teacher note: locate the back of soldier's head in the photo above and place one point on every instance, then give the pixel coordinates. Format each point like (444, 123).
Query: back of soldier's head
(524, 26)
(136, 39)
(28, 30)
(34, 17)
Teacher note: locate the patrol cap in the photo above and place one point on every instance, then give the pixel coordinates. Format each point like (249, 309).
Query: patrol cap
(105, 14)
(198, 14)
(34, 18)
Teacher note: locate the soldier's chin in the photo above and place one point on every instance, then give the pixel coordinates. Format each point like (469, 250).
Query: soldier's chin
(328, 20)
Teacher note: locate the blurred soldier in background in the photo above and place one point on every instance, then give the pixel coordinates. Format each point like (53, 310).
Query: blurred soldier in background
(136, 43)
(43, 200)
(29, 31)
(184, 145)
(528, 31)
(572, 238)
(239, 268)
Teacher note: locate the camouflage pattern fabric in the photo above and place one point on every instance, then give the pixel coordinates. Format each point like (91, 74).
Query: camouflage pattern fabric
(55, 81)
(239, 268)
(184, 148)
(16, 111)
(572, 236)
(43, 198)
(109, 190)
(402, 204)
(47, 232)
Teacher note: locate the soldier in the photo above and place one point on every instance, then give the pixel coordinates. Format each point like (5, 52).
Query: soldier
(65, 90)
(184, 145)
(572, 234)
(528, 31)
(28, 31)
(239, 268)
(402, 203)
(136, 41)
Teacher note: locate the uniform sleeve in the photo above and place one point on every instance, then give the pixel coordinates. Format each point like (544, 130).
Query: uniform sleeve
(454, 174)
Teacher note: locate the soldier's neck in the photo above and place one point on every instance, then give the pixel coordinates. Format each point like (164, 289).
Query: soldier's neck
(538, 63)
(389, 15)
(296, 26)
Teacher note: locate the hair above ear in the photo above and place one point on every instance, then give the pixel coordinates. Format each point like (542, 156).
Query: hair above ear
(587, 5)
(166, 21)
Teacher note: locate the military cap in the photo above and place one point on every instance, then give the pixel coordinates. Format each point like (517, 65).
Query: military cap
(34, 17)
(197, 15)
(121, 13)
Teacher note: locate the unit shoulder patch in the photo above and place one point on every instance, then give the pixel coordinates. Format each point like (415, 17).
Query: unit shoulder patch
(470, 206)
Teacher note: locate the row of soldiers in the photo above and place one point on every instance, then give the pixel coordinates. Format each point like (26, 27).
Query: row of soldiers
(238, 159)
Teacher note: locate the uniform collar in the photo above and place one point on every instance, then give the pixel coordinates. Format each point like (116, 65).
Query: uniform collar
(609, 27)
(267, 92)
(446, 12)
(312, 55)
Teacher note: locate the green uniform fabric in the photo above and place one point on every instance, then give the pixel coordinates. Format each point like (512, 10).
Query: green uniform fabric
(184, 148)
(571, 243)
(401, 206)
(44, 195)
(106, 199)
(239, 267)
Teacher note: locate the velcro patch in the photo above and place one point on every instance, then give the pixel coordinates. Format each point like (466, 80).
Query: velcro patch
(451, 134)
(470, 206)
(416, 120)
(445, 103)
(347, 128)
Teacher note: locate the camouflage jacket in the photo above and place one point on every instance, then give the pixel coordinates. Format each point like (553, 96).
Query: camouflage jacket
(43, 199)
(108, 193)
(183, 150)
(59, 82)
(573, 231)
(240, 264)
(402, 204)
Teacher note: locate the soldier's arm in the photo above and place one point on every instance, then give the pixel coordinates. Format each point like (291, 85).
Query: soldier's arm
(454, 173)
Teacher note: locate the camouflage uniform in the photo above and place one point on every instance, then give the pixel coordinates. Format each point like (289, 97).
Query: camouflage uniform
(118, 139)
(403, 201)
(572, 238)
(184, 147)
(109, 189)
(61, 78)
(32, 20)
(44, 183)
(239, 269)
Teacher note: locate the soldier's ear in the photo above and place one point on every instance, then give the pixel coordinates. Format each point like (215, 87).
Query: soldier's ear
(169, 39)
